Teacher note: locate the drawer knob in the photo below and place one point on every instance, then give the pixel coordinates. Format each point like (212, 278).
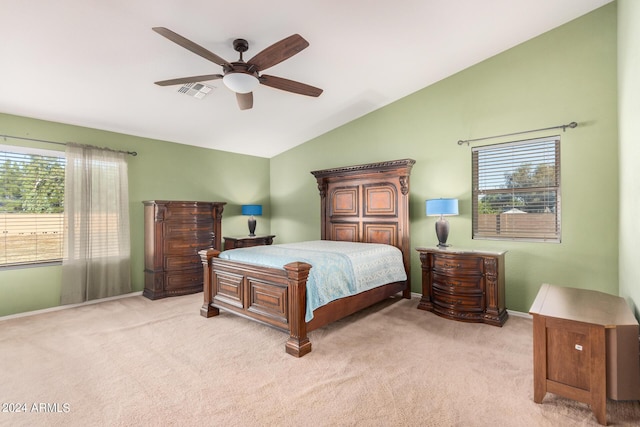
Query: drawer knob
(447, 265)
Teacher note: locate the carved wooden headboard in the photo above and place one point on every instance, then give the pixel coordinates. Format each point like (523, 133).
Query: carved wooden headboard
(367, 203)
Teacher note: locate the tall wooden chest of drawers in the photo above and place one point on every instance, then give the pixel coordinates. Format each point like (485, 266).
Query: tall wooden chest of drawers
(463, 285)
(174, 232)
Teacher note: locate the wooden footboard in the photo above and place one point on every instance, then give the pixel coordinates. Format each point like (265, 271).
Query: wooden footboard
(271, 296)
(277, 297)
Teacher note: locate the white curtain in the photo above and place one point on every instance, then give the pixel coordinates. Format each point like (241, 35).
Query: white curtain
(96, 260)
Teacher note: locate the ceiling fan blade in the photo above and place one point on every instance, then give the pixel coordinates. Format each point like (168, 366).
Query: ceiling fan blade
(278, 52)
(193, 79)
(193, 47)
(290, 85)
(245, 100)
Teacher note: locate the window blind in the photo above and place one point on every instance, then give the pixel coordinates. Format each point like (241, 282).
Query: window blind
(516, 190)
(31, 205)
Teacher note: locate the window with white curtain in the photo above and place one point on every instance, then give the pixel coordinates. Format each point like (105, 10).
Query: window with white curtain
(31, 205)
(516, 190)
(96, 261)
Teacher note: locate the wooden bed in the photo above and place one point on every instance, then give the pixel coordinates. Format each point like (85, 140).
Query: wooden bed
(364, 203)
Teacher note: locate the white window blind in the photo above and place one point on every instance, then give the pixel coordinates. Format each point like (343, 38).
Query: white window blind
(516, 190)
(31, 205)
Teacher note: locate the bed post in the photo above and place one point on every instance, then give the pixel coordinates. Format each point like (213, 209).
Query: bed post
(403, 180)
(206, 255)
(322, 188)
(298, 343)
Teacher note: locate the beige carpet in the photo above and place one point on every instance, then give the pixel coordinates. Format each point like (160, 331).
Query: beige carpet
(139, 362)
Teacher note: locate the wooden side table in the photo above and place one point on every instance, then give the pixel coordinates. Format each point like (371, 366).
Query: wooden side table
(464, 285)
(246, 242)
(585, 347)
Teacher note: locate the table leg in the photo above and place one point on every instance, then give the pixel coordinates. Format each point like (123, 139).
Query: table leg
(539, 359)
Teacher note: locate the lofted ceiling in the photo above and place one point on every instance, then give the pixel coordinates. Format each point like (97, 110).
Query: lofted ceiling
(93, 62)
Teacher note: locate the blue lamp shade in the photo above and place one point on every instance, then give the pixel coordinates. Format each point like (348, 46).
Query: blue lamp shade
(442, 207)
(251, 209)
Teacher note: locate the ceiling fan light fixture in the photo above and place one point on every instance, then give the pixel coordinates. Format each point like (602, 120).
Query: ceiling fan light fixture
(240, 82)
(243, 77)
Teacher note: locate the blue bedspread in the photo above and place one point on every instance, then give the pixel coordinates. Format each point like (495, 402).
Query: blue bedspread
(339, 269)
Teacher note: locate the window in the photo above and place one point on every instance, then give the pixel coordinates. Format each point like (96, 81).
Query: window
(96, 262)
(516, 190)
(31, 205)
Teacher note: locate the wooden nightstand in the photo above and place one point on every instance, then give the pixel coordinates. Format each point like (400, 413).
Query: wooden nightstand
(463, 285)
(246, 242)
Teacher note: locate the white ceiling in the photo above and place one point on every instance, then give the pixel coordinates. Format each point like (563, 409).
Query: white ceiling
(93, 62)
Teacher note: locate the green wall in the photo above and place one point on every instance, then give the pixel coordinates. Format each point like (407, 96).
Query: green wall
(629, 108)
(160, 171)
(567, 74)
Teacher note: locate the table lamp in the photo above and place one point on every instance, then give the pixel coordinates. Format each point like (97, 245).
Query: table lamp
(252, 210)
(442, 208)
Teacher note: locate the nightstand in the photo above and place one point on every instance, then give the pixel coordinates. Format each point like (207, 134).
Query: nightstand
(463, 285)
(246, 242)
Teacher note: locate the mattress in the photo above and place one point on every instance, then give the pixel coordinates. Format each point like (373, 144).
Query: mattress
(339, 269)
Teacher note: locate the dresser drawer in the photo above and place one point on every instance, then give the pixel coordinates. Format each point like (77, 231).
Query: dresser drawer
(457, 264)
(175, 229)
(183, 279)
(182, 262)
(458, 302)
(176, 211)
(457, 284)
(187, 246)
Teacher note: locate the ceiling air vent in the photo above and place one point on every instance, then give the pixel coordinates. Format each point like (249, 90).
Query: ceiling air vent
(197, 90)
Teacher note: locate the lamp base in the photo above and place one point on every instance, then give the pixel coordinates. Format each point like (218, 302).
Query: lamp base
(252, 226)
(442, 231)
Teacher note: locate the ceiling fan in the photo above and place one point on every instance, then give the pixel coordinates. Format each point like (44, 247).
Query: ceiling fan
(243, 77)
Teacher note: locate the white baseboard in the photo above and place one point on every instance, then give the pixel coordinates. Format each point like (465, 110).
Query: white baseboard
(64, 307)
(520, 314)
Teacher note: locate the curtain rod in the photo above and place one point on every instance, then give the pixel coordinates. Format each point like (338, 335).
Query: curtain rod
(563, 127)
(133, 153)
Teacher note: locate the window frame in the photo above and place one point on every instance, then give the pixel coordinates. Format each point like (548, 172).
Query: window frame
(57, 222)
(541, 228)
